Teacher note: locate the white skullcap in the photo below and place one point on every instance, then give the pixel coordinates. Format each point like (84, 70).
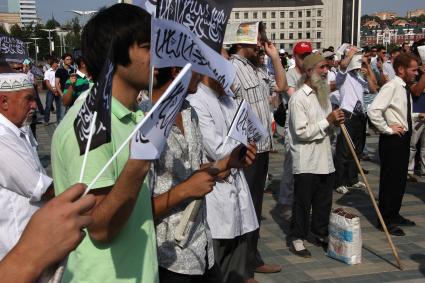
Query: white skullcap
(355, 63)
(14, 82)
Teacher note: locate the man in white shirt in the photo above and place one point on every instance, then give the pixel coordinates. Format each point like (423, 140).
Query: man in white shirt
(310, 123)
(354, 79)
(24, 184)
(230, 210)
(391, 113)
(52, 93)
(387, 67)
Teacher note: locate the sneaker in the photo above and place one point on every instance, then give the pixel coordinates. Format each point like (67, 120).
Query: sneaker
(342, 190)
(359, 185)
(411, 178)
(297, 247)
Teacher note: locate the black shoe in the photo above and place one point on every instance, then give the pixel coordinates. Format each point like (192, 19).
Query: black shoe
(301, 253)
(319, 242)
(401, 221)
(393, 230)
(365, 171)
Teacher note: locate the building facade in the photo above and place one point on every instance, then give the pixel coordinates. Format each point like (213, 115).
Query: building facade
(394, 35)
(385, 15)
(26, 9)
(320, 22)
(416, 13)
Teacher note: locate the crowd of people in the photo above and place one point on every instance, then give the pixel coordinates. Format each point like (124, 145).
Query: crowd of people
(132, 214)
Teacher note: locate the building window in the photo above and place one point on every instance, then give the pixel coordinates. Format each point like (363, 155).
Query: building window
(308, 14)
(282, 25)
(291, 45)
(282, 14)
(254, 15)
(245, 15)
(319, 24)
(291, 24)
(307, 24)
(291, 35)
(273, 36)
(273, 25)
(319, 13)
(282, 45)
(300, 35)
(291, 14)
(273, 15)
(300, 24)
(282, 35)
(318, 45)
(307, 35)
(300, 14)
(264, 15)
(319, 34)
(237, 16)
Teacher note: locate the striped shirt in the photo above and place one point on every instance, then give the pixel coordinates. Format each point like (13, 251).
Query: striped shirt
(254, 85)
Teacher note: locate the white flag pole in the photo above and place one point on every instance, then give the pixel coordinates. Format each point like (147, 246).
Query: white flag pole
(92, 127)
(151, 78)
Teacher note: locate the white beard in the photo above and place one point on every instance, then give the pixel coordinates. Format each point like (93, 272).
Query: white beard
(322, 90)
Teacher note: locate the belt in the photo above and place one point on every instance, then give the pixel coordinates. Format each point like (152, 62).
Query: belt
(352, 115)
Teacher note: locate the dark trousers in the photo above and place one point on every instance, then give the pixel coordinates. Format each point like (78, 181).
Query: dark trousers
(231, 255)
(311, 192)
(50, 97)
(38, 101)
(212, 275)
(394, 155)
(345, 166)
(256, 175)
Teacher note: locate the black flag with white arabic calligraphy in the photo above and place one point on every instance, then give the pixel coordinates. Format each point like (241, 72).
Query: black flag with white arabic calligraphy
(98, 100)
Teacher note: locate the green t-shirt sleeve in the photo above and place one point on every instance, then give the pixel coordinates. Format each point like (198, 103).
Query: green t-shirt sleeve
(67, 162)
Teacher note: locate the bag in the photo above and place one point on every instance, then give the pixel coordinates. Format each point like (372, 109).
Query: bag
(280, 115)
(345, 239)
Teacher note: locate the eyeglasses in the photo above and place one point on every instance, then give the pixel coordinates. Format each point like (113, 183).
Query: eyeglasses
(18, 68)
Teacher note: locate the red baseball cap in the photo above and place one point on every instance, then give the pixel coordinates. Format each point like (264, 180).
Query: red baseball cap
(303, 47)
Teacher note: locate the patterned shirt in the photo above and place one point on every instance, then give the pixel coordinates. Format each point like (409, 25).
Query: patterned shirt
(182, 156)
(255, 86)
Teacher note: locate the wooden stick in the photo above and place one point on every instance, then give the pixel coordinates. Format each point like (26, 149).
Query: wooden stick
(381, 220)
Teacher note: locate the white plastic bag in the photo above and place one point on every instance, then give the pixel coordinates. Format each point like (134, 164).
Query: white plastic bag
(345, 238)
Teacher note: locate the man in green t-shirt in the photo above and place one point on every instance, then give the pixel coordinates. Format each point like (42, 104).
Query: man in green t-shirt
(77, 83)
(121, 245)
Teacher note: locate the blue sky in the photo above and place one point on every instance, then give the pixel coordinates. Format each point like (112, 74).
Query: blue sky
(45, 8)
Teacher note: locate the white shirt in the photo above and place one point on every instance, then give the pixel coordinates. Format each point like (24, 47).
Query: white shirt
(310, 131)
(388, 70)
(390, 107)
(23, 181)
(49, 75)
(334, 96)
(230, 212)
(351, 88)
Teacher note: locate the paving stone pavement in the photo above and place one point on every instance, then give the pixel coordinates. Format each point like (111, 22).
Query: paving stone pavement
(378, 264)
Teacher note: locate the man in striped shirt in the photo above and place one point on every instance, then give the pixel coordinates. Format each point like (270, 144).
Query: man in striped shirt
(254, 85)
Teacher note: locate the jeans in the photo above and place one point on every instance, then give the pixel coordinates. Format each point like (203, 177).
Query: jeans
(49, 101)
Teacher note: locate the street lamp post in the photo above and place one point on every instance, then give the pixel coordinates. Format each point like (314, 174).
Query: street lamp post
(36, 48)
(50, 39)
(27, 43)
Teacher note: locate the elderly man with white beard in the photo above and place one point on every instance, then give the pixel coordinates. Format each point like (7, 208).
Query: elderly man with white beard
(24, 185)
(311, 121)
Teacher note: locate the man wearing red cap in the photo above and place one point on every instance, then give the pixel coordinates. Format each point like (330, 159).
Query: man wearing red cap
(293, 77)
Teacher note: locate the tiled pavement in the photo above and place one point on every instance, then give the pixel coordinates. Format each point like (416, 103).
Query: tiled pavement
(377, 263)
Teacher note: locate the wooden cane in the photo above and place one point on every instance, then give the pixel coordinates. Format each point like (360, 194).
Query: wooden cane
(381, 220)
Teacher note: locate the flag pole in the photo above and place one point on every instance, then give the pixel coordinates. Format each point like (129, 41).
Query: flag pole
(371, 195)
(151, 78)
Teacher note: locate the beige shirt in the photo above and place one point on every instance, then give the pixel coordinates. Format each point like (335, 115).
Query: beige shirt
(390, 107)
(310, 131)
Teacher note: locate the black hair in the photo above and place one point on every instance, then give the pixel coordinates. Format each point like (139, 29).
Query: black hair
(381, 47)
(66, 55)
(79, 61)
(415, 46)
(395, 50)
(164, 76)
(366, 49)
(118, 27)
